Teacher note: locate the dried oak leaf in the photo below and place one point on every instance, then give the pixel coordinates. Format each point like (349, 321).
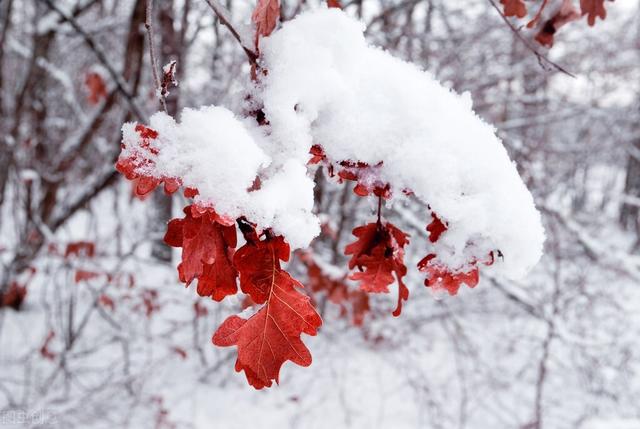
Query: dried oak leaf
(565, 14)
(265, 17)
(441, 278)
(379, 253)
(208, 243)
(96, 87)
(593, 9)
(514, 8)
(14, 296)
(130, 166)
(436, 228)
(271, 336)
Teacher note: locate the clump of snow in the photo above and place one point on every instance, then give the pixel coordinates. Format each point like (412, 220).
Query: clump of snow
(221, 156)
(325, 85)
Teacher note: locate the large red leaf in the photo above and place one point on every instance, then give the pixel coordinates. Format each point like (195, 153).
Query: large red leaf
(379, 253)
(208, 244)
(271, 336)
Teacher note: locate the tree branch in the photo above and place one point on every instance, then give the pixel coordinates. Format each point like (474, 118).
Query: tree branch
(100, 54)
(224, 16)
(148, 24)
(542, 59)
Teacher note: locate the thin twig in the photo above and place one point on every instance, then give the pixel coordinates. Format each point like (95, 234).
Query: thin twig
(542, 59)
(224, 16)
(102, 57)
(148, 23)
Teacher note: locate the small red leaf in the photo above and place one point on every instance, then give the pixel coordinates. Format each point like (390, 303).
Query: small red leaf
(96, 87)
(514, 8)
(83, 275)
(593, 9)
(265, 17)
(107, 302)
(439, 277)
(85, 249)
(131, 165)
(208, 245)
(13, 297)
(565, 14)
(436, 228)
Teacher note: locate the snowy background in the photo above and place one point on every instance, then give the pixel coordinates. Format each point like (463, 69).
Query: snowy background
(106, 336)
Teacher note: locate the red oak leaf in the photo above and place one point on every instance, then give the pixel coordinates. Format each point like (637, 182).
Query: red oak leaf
(107, 302)
(379, 253)
(13, 297)
(84, 275)
(96, 87)
(271, 336)
(265, 17)
(130, 166)
(565, 14)
(593, 9)
(439, 277)
(85, 249)
(514, 8)
(435, 228)
(208, 245)
(317, 153)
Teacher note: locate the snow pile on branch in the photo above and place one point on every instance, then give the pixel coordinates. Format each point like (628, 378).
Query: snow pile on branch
(325, 85)
(221, 156)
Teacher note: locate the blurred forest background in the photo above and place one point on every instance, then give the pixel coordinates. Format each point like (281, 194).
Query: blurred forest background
(96, 331)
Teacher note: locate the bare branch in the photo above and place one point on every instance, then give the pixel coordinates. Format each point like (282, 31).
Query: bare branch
(224, 16)
(152, 54)
(102, 57)
(542, 59)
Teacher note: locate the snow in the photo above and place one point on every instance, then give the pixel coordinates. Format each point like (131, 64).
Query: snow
(325, 85)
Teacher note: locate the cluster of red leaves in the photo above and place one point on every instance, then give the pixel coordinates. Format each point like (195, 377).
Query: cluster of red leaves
(378, 253)
(130, 166)
(208, 241)
(271, 336)
(357, 171)
(565, 13)
(336, 291)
